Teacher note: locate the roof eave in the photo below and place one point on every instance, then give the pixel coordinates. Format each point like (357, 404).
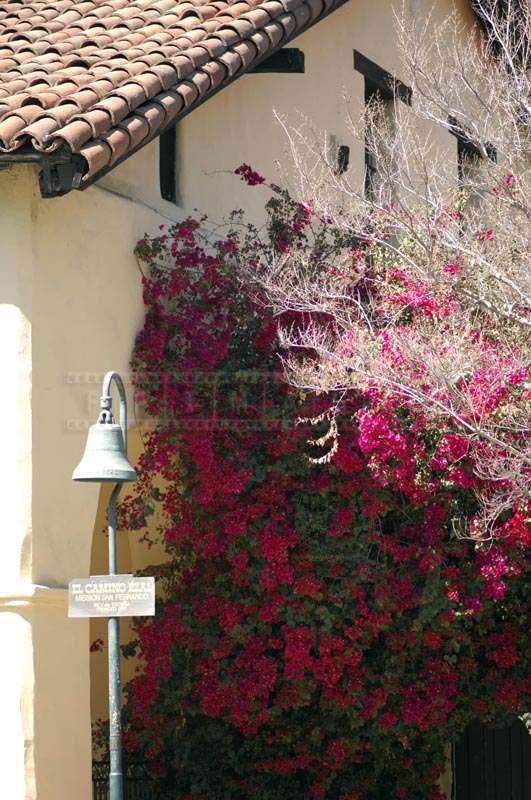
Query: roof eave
(63, 170)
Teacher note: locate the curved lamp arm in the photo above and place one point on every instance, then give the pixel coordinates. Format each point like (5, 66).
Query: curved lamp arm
(106, 402)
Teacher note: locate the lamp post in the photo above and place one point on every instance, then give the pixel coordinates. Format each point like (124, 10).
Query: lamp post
(105, 461)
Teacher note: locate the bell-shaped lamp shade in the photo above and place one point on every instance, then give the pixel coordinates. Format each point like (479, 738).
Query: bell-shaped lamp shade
(104, 459)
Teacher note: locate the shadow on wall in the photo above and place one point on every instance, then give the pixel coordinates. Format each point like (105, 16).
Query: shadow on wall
(133, 555)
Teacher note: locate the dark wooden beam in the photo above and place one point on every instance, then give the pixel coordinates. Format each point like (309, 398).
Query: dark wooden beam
(288, 59)
(168, 165)
(386, 84)
(21, 156)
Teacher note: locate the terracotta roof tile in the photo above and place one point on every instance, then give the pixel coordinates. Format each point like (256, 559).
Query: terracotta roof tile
(198, 56)
(217, 73)
(257, 16)
(99, 120)
(75, 134)
(172, 103)
(213, 46)
(166, 73)
(136, 127)
(98, 155)
(103, 78)
(289, 21)
(9, 128)
(247, 51)
(276, 33)
(154, 116)
(133, 93)
(182, 65)
(116, 106)
(232, 61)
(119, 142)
(316, 8)
(242, 27)
(262, 42)
(39, 130)
(188, 91)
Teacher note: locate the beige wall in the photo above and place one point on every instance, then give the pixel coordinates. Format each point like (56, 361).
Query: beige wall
(70, 305)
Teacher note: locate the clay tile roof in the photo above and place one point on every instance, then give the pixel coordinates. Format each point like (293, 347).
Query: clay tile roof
(101, 79)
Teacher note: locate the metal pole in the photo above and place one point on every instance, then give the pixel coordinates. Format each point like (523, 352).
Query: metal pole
(115, 716)
(116, 789)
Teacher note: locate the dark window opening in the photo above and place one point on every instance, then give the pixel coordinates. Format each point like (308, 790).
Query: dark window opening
(342, 159)
(468, 157)
(375, 93)
(472, 175)
(469, 154)
(383, 88)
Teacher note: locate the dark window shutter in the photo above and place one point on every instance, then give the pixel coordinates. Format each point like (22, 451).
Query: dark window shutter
(493, 764)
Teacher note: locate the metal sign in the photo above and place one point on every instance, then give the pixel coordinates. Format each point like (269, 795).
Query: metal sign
(111, 596)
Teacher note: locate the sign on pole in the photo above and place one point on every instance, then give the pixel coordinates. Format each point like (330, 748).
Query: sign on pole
(111, 596)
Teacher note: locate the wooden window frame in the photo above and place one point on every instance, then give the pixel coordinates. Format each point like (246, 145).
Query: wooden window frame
(386, 84)
(381, 85)
(467, 151)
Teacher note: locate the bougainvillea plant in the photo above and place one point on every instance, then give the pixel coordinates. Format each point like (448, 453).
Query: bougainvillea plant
(324, 633)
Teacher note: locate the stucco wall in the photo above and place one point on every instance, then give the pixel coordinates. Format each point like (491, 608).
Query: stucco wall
(70, 305)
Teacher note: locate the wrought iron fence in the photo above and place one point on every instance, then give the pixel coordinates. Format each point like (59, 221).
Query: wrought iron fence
(138, 784)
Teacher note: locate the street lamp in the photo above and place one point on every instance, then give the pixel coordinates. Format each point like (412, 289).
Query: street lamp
(105, 461)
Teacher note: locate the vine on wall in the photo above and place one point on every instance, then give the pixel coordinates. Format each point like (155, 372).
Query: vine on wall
(325, 633)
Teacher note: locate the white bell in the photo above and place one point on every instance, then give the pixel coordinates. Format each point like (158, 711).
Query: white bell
(104, 459)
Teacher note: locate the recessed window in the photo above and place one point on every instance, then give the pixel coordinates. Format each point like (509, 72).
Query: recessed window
(382, 90)
(338, 155)
(383, 103)
(470, 161)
